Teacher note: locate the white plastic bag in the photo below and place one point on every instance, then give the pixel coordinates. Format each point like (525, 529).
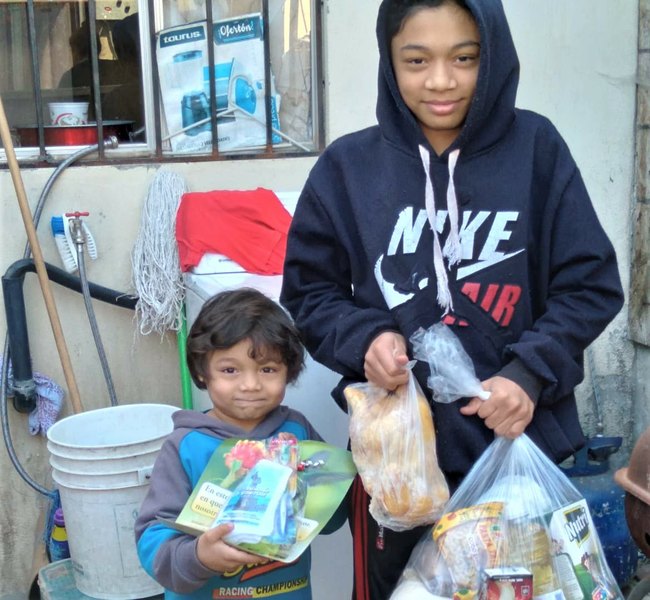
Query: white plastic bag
(393, 443)
(452, 372)
(516, 523)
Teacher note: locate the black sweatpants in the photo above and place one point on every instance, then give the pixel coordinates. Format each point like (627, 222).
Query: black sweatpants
(380, 555)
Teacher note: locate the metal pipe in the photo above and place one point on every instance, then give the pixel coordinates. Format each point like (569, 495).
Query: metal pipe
(110, 142)
(36, 77)
(94, 56)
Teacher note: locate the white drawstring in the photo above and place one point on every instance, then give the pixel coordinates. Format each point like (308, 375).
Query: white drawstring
(452, 246)
(443, 295)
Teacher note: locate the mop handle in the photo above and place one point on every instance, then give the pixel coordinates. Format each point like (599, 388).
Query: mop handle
(39, 263)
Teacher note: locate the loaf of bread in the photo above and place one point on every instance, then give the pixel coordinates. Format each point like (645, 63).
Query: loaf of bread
(393, 445)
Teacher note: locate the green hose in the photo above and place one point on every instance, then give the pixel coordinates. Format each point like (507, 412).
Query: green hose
(186, 380)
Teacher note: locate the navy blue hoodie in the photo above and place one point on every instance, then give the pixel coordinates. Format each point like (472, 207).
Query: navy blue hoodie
(535, 279)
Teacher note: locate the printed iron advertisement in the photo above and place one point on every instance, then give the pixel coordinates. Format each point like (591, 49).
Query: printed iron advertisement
(239, 83)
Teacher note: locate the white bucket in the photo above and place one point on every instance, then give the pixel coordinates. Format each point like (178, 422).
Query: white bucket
(101, 462)
(68, 114)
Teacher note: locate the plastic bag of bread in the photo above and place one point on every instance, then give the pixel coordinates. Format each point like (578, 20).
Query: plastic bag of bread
(515, 528)
(393, 445)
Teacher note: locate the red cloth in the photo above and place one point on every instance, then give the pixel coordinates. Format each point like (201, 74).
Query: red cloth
(248, 226)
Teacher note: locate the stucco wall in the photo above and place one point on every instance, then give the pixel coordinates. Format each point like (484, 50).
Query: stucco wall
(578, 68)
(568, 75)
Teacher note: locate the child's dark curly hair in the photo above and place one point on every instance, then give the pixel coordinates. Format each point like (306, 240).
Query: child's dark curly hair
(233, 316)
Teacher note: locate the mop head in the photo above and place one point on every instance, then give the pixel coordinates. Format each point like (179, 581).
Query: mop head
(49, 400)
(156, 274)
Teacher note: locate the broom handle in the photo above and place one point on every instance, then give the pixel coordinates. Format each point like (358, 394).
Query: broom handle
(39, 262)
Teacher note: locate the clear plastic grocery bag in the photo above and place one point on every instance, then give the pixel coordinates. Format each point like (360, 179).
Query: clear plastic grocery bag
(393, 445)
(452, 372)
(515, 529)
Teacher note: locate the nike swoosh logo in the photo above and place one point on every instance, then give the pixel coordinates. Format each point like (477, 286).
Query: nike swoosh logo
(484, 264)
(390, 293)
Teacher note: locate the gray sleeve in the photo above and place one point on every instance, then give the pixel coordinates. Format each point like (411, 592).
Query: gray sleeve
(166, 554)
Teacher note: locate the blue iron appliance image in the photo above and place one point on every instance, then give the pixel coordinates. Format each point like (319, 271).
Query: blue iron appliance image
(233, 91)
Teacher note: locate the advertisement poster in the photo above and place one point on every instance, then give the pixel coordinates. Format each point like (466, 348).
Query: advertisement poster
(325, 475)
(184, 73)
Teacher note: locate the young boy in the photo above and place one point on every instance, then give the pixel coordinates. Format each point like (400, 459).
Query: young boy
(456, 207)
(244, 349)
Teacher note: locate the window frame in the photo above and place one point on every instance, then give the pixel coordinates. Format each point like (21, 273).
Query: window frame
(150, 22)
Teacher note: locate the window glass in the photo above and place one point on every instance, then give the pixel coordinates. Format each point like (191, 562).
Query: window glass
(75, 59)
(63, 61)
(240, 72)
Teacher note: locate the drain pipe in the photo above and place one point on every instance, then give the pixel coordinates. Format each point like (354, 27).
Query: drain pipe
(20, 268)
(24, 388)
(12, 286)
(4, 417)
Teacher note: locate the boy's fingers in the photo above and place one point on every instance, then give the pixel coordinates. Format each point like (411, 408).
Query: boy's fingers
(218, 532)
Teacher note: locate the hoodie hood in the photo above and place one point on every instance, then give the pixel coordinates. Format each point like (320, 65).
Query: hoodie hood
(191, 420)
(493, 107)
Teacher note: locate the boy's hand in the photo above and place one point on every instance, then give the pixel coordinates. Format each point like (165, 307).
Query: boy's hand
(507, 411)
(385, 361)
(215, 554)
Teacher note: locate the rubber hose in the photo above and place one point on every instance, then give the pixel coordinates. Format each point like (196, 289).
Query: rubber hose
(93, 325)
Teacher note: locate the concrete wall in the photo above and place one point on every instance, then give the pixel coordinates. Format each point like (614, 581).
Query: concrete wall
(589, 92)
(578, 68)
